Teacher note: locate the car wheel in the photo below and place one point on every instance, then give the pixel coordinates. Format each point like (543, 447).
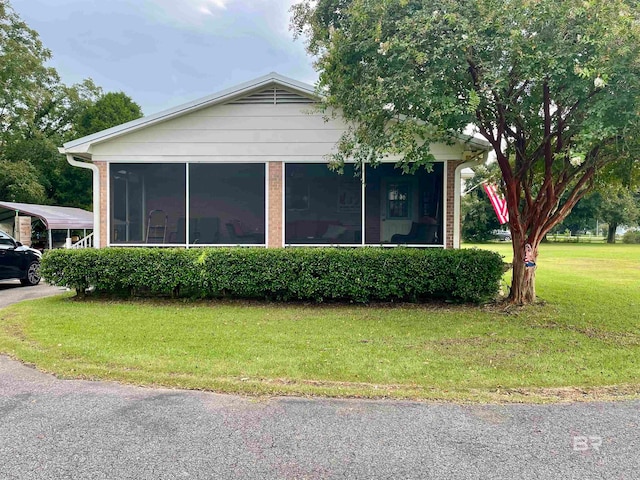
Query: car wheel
(33, 274)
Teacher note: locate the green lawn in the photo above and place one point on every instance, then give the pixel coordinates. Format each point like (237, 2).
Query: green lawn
(583, 343)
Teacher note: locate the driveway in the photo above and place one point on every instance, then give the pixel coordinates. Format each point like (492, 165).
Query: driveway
(70, 429)
(11, 291)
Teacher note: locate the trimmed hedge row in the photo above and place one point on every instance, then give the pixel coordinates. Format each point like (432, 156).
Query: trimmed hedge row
(316, 274)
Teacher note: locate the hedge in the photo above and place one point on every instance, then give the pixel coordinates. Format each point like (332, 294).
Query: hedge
(307, 274)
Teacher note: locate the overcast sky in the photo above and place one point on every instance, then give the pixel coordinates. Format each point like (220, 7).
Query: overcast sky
(163, 53)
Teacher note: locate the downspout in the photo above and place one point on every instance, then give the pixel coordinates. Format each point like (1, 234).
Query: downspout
(457, 194)
(96, 194)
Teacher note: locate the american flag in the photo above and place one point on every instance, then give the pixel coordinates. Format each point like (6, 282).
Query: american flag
(498, 201)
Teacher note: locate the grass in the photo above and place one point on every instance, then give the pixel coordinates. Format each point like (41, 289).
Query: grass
(583, 342)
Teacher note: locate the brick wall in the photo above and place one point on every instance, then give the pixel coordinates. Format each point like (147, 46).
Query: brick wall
(451, 173)
(104, 179)
(274, 209)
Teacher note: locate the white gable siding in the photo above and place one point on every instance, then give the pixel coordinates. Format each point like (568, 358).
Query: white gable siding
(237, 133)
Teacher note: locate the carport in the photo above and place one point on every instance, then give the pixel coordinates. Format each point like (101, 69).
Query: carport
(23, 216)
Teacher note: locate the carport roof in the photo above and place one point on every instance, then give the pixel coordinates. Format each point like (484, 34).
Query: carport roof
(54, 218)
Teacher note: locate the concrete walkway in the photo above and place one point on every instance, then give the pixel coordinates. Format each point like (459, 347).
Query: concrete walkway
(11, 291)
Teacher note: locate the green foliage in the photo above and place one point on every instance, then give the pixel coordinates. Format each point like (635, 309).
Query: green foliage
(619, 206)
(307, 274)
(477, 214)
(24, 78)
(38, 113)
(553, 86)
(19, 182)
(631, 236)
(113, 108)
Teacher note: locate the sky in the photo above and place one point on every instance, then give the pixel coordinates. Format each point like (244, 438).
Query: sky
(163, 53)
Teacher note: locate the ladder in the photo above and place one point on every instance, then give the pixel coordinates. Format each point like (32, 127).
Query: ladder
(157, 226)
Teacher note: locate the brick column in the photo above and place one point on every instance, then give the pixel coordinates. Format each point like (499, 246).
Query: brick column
(104, 178)
(274, 208)
(451, 176)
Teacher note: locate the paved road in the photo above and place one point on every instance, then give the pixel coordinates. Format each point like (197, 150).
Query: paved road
(56, 429)
(12, 292)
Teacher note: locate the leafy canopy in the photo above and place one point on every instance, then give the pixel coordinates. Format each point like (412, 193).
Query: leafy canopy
(553, 86)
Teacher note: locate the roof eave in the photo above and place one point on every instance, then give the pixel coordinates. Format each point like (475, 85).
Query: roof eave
(82, 145)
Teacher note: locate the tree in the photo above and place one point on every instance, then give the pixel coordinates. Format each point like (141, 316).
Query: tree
(24, 76)
(20, 182)
(618, 206)
(553, 86)
(113, 108)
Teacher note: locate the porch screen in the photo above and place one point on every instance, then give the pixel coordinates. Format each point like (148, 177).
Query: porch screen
(148, 203)
(403, 209)
(321, 206)
(226, 203)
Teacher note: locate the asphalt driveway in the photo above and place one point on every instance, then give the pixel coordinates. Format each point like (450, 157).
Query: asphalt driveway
(69, 429)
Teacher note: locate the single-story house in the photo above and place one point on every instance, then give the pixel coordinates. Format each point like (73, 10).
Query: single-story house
(248, 166)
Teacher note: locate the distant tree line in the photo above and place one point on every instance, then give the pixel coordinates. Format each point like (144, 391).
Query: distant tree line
(38, 113)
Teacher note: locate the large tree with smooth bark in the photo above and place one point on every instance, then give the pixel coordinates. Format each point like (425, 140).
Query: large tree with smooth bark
(552, 85)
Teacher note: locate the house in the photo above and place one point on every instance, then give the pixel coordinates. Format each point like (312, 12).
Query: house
(248, 166)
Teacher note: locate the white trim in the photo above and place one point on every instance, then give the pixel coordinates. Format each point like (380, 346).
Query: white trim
(444, 203)
(363, 225)
(144, 159)
(358, 245)
(96, 195)
(266, 203)
(187, 212)
(193, 245)
(283, 195)
(457, 197)
(108, 222)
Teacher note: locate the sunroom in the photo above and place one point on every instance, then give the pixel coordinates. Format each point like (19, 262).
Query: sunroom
(204, 204)
(249, 166)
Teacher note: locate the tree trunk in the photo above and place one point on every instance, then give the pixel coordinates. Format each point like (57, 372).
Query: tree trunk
(611, 233)
(523, 282)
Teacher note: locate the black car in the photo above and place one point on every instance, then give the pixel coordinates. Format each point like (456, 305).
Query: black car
(18, 261)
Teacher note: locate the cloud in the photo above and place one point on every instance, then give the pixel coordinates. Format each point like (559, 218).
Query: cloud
(202, 14)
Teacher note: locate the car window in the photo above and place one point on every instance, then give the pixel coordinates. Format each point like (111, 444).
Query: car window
(5, 241)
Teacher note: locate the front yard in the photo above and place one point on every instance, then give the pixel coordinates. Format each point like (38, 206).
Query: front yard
(583, 343)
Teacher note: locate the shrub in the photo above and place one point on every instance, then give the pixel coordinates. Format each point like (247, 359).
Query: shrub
(631, 236)
(308, 274)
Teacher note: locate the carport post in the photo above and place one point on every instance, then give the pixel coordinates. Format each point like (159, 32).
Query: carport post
(50, 240)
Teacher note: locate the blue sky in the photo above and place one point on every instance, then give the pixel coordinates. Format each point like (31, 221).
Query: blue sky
(166, 52)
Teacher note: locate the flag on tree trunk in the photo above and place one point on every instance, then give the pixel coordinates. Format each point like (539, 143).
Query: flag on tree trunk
(498, 201)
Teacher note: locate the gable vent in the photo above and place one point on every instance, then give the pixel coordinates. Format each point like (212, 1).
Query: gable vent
(273, 96)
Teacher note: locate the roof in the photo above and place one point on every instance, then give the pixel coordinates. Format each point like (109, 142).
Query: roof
(54, 218)
(81, 146)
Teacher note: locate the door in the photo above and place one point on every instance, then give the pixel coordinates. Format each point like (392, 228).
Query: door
(9, 259)
(398, 203)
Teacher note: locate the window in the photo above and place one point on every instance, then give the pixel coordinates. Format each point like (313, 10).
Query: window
(148, 203)
(322, 206)
(398, 200)
(226, 203)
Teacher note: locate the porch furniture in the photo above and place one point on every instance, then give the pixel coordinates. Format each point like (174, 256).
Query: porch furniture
(420, 234)
(240, 234)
